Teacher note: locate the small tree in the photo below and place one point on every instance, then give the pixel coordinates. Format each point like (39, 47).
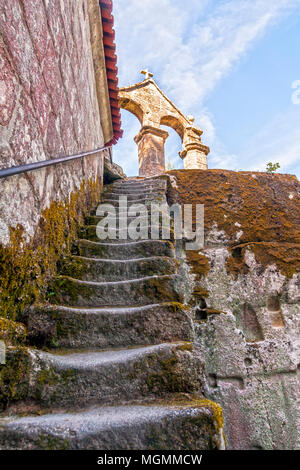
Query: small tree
(272, 167)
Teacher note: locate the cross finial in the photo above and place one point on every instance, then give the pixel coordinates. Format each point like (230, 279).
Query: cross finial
(147, 74)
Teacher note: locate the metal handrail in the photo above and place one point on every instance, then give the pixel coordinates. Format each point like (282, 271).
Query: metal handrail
(16, 170)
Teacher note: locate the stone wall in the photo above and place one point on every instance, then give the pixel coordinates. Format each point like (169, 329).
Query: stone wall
(49, 104)
(246, 297)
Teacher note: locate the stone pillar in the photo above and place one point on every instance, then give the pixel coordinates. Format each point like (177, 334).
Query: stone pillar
(151, 148)
(194, 152)
(194, 156)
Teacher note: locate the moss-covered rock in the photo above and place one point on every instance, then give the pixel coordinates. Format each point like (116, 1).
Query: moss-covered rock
(25, 268)
(252, 209)
(14, 376)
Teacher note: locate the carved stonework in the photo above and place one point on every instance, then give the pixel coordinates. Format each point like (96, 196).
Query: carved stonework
(153, 109)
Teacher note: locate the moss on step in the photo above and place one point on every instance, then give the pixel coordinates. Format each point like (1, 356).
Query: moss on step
(12, 332)
(48, 378)
(64, 288)
(185, 347)
(48, 442)
(72, 267)
(192, 401)
(170, 376)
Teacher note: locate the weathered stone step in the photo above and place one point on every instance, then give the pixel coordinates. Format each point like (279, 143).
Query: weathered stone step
(136, 249)
(194, 425)
(135, 192)
(94, 219)
(132, 193)
(91, 269)
(122, 235)
(68, 327)
(153, 289)
(135, 184)
(75, 380)
(132, 203)
(149, 205)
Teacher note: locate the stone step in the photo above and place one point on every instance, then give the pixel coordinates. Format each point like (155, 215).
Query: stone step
(152, 289)
(135, 197)
(133, 193)
(136, 249)
(91, 269)
(144, 183)
(90, 232)
(68, 327)
(192, 425)
(132, 203)
(94, 219)
(153, 204)
(135, 190)
(78, 379)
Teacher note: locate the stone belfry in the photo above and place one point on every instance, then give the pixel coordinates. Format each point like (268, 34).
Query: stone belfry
(153, 109)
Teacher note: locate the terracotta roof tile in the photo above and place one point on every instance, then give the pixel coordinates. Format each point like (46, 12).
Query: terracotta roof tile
(106, 7)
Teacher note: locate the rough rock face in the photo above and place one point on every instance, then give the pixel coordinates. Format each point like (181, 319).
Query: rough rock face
(247, 296)
(49, 105)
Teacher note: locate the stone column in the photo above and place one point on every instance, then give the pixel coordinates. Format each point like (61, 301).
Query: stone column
(194, 152)
(194, 156)
(151, 148)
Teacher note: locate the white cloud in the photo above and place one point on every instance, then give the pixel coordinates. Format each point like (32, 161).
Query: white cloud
(190, 46)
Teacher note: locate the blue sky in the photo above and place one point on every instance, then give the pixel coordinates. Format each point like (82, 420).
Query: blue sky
(230, 63)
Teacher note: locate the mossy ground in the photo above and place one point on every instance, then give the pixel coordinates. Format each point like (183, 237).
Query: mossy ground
(14, 376)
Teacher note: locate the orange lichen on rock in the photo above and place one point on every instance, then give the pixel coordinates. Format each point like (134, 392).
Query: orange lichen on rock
(255, 210)
(198, 262)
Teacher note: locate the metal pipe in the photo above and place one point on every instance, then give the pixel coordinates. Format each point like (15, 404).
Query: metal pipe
(16, 170)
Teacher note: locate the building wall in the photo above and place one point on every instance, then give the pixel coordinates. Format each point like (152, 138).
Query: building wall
(48, 104)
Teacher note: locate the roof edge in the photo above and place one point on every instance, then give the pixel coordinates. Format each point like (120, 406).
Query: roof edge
(109, 48)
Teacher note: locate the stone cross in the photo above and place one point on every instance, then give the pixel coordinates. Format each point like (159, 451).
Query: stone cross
(147, 74)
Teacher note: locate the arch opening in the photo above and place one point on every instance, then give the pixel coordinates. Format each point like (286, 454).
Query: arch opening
(174, 123)
(173, 145)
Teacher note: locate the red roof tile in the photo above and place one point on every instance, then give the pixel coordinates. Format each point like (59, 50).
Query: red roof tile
(106, 7)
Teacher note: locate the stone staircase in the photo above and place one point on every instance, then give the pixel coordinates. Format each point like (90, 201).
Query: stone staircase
(115, 366)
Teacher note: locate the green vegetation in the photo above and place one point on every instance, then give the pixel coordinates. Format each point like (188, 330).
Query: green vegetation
(272, 167)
